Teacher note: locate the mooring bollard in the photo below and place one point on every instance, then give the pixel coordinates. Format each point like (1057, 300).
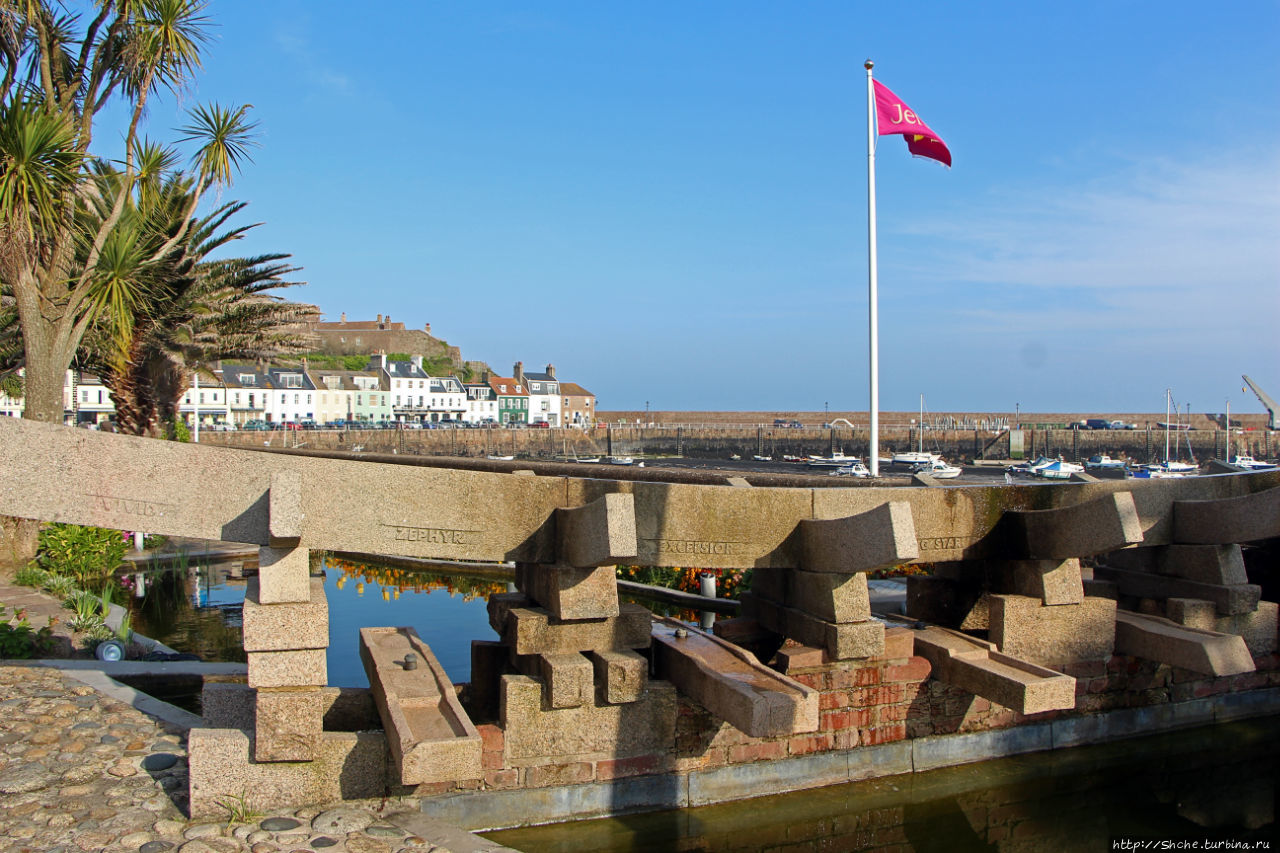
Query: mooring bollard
(707, 586)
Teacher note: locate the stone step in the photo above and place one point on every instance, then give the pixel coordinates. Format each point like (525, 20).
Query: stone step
(1230, 599)
(731, 684)
(1159, 639)
(431, 737)
(975, 665)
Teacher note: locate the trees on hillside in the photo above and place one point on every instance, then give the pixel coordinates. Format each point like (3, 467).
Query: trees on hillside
(81, 239)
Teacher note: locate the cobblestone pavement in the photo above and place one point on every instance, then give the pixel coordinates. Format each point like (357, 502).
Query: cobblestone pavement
(81, 771)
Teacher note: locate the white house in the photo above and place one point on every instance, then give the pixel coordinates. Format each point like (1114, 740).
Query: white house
(544, 394)
(291, 396)
(248, 390)
(482, 404)
(208, 396)
(446, 398)
(407, 384)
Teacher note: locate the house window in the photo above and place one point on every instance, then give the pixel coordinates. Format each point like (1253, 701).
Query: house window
(237, 398)
(248, 379)
(291, 380)
(397, 399)
(284, 398)
(359, 399)
(201, 397)
(308, 399)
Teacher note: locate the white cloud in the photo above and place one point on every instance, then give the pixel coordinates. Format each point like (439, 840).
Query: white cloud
(1158, 229)
(328, 80)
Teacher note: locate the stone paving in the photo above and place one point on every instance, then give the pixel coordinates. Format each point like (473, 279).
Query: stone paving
(81, 771)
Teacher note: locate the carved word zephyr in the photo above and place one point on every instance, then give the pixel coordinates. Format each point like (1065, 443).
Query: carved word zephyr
(435, 535)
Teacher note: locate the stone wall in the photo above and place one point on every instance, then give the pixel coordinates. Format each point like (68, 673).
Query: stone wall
(723, 442)
(879, 716)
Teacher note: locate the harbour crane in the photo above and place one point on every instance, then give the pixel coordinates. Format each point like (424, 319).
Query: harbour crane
(1271, 406)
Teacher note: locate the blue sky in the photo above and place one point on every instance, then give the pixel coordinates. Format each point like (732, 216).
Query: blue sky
(668, 200)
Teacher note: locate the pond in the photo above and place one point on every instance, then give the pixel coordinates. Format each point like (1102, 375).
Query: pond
(1208, 784)
(196, 608)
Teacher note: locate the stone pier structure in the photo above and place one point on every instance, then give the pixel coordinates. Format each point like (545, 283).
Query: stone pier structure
(1047, 616)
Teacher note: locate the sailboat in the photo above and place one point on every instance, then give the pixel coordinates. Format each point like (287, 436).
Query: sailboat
(1170, 468)
(917, 457)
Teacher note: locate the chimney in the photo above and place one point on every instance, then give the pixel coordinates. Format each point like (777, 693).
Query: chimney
(344, 316)
(379, 321)
(517, 373)
(388, 320)
(427, 328)
(551, 371)
(417, 361)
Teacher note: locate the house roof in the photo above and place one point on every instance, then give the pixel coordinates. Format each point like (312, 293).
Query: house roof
(573, 389)
(445, 385)
(513, 388)
(347, 379)
(405, 370)
(231, 374)
(543, 377)
(277, 375)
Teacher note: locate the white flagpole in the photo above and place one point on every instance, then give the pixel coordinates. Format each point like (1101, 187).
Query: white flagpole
(871, 273)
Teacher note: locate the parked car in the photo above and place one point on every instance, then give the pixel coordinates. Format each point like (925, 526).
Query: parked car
(1097, 423)
(256, 425)
(540, 425)
(1122, 425)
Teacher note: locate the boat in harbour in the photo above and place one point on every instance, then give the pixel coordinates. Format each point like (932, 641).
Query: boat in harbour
(1103, 462)
(621, 460)
(835, 460)
(1057, 469)
(1242, 461)
(938, 470)
(912, 458)
(853, 469)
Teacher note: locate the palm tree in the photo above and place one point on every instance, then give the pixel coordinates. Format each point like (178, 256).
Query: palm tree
(67, 257)
(188, 311)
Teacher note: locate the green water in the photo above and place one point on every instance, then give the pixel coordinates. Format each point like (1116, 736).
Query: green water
(1203, 785)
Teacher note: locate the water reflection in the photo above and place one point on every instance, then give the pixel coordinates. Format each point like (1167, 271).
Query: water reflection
(196, 608)
(1210, 783)
(447, 610)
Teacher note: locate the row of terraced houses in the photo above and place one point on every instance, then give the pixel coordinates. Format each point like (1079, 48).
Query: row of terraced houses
(384, 392)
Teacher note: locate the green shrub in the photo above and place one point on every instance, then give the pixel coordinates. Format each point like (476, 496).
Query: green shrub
(18, 641)
(85, 604)
(96, 634)
(58, 585)
(31, 575)
(80, 552)
(125, 632)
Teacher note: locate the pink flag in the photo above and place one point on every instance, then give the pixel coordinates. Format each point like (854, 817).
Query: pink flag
(893, 116)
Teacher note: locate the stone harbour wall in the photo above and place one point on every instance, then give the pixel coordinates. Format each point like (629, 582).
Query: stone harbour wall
(714, 442)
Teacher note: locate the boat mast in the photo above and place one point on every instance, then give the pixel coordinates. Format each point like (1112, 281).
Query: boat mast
(1168, 398)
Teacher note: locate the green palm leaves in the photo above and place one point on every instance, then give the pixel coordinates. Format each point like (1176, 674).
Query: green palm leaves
(39, 168)
(88, 239)
(226, 138)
